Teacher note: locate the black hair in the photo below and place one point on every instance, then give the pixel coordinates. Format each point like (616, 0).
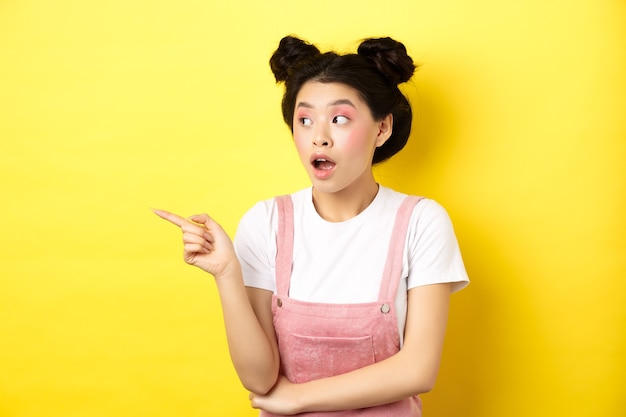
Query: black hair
(375, 71)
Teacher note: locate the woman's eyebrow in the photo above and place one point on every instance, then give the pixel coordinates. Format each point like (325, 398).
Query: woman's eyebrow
(341, 101)
(332, 103)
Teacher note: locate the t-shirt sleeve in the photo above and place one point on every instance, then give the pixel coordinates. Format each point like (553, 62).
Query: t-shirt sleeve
(433, 254)
(255, 245)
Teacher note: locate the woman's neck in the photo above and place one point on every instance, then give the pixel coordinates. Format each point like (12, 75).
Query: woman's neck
(345, 204)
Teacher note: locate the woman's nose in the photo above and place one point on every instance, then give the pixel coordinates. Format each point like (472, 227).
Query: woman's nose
(321, 138)
(320, 142)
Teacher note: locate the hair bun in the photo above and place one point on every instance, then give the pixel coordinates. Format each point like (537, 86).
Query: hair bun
(291, 50)
(390, 57)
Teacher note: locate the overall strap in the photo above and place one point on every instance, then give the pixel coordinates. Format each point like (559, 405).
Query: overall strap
(284, 244)
(393, 266)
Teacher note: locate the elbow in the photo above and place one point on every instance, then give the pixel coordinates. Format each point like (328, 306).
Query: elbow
(260, 386)
(422, 382)
(427, 385)
(420, 386)
(259, 377)
(420, 375)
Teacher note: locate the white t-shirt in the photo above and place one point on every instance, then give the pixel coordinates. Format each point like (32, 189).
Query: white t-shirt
(343, 262)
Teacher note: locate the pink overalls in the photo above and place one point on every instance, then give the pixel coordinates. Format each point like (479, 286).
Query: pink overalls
(318, 340)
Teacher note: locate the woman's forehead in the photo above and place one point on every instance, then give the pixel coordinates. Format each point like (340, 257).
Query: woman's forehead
(316, 93)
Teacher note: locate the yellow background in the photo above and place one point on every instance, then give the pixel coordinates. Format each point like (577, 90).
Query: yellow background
(110, 108)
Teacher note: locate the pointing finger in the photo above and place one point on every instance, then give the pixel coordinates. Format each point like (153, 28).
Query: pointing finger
(171, 217)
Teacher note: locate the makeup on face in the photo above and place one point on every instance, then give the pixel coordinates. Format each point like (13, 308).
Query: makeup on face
(335, 135)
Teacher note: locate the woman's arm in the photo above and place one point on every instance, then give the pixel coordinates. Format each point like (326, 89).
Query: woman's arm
(250, 333)
(411, 371)
(247, 312)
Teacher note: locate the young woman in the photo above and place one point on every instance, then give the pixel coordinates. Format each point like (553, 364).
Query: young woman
(335, 298)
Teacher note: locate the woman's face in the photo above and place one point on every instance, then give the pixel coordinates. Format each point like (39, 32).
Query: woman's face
(336, 136)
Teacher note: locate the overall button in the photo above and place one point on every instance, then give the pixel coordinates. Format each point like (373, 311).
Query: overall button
(279, 302)
(385, 308)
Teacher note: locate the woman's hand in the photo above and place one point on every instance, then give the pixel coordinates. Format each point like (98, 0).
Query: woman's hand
(283, 399)
(206, 244)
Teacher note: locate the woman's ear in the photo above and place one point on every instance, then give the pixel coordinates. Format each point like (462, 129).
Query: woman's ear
(385, 128)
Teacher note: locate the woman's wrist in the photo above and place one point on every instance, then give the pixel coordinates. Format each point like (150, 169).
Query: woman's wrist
(231, 270)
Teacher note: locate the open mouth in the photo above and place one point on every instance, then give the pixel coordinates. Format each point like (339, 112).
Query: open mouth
(323, 164)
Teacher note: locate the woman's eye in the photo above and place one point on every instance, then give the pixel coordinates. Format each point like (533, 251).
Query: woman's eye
(340, 120)
(305, 121)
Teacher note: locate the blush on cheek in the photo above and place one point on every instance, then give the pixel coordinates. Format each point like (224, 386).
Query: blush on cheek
(301, 143)
(299, 139)
(356, 139)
